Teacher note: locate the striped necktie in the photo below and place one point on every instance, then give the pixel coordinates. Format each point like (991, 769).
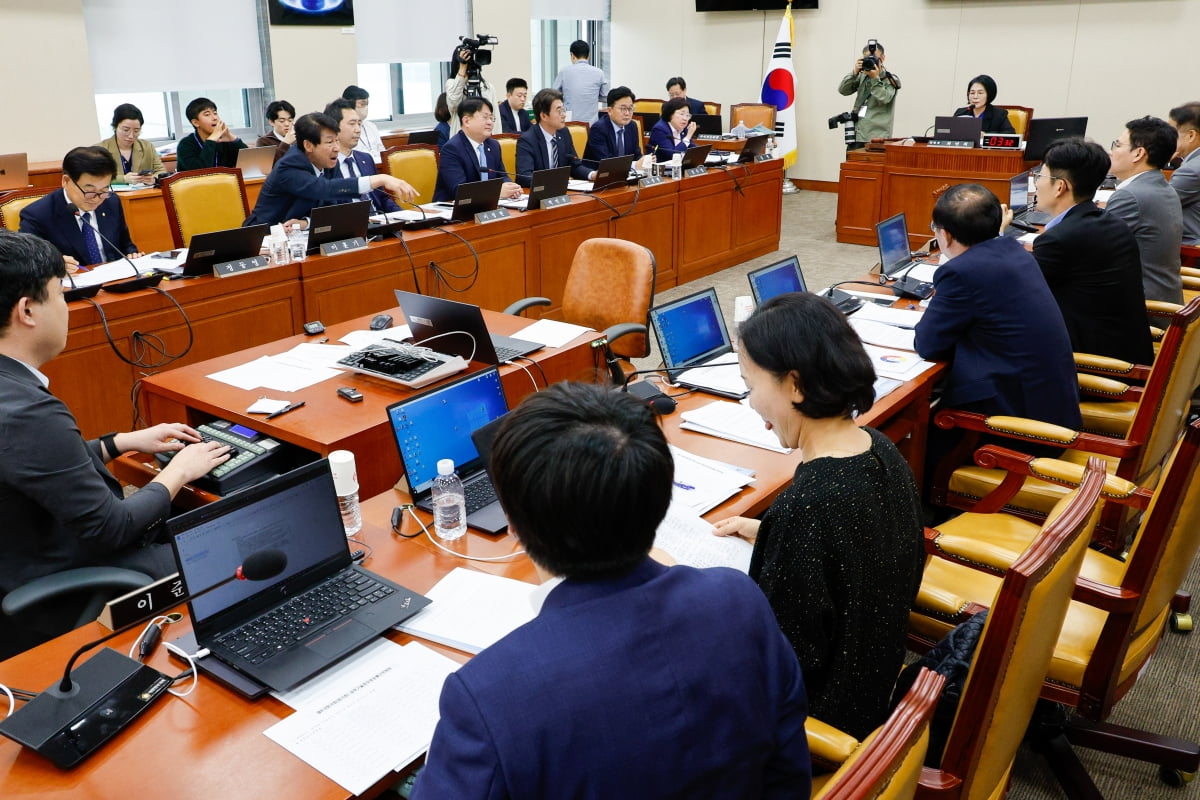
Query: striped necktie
(89, 239)
(553, 152)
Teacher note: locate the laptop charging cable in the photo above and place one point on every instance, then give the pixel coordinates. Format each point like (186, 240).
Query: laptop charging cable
(147, 641)
(397, 518)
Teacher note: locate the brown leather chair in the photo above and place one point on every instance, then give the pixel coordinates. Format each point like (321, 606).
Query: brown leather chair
(650, 105)
(11, 204)
(609, 288)
(417, 164)
(1120, 611)
(204, 200)
(712, 108)
(508, 151)
(752, 114)
(579, 136)
(1018, 117)
(887, 764)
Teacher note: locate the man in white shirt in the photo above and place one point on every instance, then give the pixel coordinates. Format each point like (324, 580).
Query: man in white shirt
(354, 163)
(583, 85)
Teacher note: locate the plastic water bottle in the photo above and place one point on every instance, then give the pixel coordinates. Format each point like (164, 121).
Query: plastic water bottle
(449, 505)
(345, 483)
(739, 130)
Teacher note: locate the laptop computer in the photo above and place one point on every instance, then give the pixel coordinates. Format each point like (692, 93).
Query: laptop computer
(695, 156)
(1045, 131)
(14, 171)
(1018, 201)
(695, 345)
(755, 146)
(217, 247)
(707, 124)
(781, 277)
(613, 171)
(458, 329)
(438, 424)
(337, 222)
(255, 162)
(957, 130)
(283, 630)
(649, 119)
(473, 198)
(894, 256)
(423, 137)
(546, 183)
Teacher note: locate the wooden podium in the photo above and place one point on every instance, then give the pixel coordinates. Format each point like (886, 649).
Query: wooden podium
(873, 186)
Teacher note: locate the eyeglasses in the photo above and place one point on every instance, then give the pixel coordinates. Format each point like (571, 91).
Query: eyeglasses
(100, 195)
(624, 109)
(488, 118)
(933, 228)
(1038, 174)
(129, 131)
(560, 110)
(1117, 144)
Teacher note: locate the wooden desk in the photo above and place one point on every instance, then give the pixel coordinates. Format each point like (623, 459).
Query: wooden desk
(327, 422)
(873, 186)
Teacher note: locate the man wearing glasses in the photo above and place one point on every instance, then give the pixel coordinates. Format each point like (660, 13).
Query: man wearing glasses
(548, 144)
(614, 134)
(1147, 203)
(472, 154)
(84, 221)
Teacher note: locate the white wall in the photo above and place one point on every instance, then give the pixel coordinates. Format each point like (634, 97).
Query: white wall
(312, 65)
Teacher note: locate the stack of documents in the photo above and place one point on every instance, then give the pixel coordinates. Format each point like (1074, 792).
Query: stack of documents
(691, 541)
(900, 365)
(736, 422)
(472, 610)
(551, 332)
(702, 483)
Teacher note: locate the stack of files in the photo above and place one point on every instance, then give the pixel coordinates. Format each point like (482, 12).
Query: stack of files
(303, 366)
(890, 315)
(691, 542)
(882, 334)
(702, 483)
(737, 422)
(899, 365)
(472, 610)
(366, 716)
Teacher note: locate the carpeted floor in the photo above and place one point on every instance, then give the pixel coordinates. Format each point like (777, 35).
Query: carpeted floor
(1165, 696)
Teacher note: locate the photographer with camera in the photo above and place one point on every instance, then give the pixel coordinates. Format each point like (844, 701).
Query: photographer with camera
(874, 90)
(466, 62)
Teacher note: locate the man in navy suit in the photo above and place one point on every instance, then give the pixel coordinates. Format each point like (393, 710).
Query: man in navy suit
(80, 233)
(548, 144)
(677, 87)
(616, 124)
(461, 160)
(994, 319)
(352, 163)
(303, 178)
(615, 688)
(513, 117)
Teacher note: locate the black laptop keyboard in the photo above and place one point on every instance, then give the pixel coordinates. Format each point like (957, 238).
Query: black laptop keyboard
(478, 494)
(396, 363)
(279, 629)
(504, 353)
(1032, 217)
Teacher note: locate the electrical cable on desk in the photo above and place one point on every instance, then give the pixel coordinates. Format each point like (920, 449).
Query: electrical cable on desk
(142, 342)
(437, 270)
(398, 510)
(736, 184)
(143, 646)
(370, 550)
(412, 265)
(542, 372)
(524, 369)
(448, 333)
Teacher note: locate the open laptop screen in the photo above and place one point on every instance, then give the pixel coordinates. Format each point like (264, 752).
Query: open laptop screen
(296, 513)
(775, 279)
(894, 254)
(690, 330)
(438, 424)
(1018, 192)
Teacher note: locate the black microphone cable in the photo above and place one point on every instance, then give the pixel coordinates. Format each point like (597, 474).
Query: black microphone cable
(144, 344)
(441, 272)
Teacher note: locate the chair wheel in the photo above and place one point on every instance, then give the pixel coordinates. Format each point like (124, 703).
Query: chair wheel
(1175, 777)
(1181, 623)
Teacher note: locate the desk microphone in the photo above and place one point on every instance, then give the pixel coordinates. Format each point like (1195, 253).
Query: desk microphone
(139, 281)
(72, 719)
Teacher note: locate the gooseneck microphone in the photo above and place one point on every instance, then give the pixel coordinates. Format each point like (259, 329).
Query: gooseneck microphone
(138, 281)
(72, 719)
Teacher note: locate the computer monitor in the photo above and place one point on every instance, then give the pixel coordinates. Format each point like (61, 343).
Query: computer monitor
(707, 124)
(1018, 192)
(1043, 132)
(894, 254)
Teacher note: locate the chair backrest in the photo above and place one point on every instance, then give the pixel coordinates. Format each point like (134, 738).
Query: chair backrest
(508, 151)
(752, 114)
(1015, 647)
(1018, 117)
(417, 164)
(579, 136)
(887, 765)
(712, 108)
(650, 105)
(611, 281)
(641, 132)
(204, 200)
(12, 203)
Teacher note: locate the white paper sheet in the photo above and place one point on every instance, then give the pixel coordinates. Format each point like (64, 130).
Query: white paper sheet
(690, 541)
(889, 316)
(733, 421)
(702, 484)
(898, 364)
(471, 610)
(551, 332)
(878, 333)
(360, 339)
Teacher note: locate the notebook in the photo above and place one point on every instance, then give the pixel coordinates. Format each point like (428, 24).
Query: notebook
(217, 247)
(297, 513)
(781, 277)
(610, 172)
(438, 424)
(458, 329)
(695, 345)
(14, 171)
(255, 162)
(337, 222)
(894, 256)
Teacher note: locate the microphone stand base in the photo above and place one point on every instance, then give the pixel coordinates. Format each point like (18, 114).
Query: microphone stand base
(133, 284)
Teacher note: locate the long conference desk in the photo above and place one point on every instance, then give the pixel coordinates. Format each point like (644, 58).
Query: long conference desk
(694, 227)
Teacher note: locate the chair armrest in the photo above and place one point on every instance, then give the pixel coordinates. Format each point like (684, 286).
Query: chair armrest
(70, 581)
(529, 302)
(1063, 473)
(827, 744)
(1112, 599)
(1107, 388)
(1029, 430)
(614, 332)
(1106, 366)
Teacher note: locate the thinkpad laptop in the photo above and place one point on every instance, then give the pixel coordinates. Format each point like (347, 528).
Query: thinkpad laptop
(781, 277)
(438, 424)
(256, 162)
(217, 247)
(707, 124)
(755, 146)
(695, 345)
(458, 329)
(322, 607)
(957, 131)
(610, 172)
(337, 222)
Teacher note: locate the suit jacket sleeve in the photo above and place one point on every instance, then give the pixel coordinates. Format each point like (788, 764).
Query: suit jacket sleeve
(1186, 183)
(462, 761)
(998, 122)
(1054, 259)
(1124, 204)
(452, 170)
(121, 238)
(147, 157)
(599, 144)
(788, 771)
(948, 316)
(527, 158)
(662, 141)
(307, 184)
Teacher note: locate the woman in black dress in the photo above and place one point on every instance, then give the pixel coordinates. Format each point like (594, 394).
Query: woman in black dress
(981, 91)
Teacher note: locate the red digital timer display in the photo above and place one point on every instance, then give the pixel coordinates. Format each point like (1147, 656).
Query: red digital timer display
(1008, 140)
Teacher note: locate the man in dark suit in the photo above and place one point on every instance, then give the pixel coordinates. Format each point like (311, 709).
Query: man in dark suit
(80, 233)
(352, 163)
(61, 507)
(472, 154)
(1090, 258)
(616, 124)
(994, 319)
(677, 87)
(513, 116)
(1148, 204)
(1186, 178)
(304, 178)
(620, 655)
(548, 144)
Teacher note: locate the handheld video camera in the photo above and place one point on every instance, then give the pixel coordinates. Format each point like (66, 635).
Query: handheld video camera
(476, 55)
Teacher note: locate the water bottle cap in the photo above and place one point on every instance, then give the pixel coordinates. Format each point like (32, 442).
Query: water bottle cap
(446, 466)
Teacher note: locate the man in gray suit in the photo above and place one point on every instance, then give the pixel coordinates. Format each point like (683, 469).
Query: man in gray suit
(1148, 205)
(1186, 180)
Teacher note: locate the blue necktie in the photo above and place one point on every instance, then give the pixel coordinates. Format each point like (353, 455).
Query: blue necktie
(352, 173)
(89, 239)
(620, 142)
(483, 165)
(553, 152)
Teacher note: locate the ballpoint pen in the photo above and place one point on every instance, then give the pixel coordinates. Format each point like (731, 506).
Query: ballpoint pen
(285, 410)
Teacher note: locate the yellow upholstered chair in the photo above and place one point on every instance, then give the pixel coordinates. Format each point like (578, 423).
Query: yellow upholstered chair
(579, 136)
(204, 200)
(508, 152)
(752, 115)
(1018, 117)
(712, 108)
(417, 164)
(12, 202)
(648, 105)
(1120, 611)
(887, 764)
(1027, 607)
